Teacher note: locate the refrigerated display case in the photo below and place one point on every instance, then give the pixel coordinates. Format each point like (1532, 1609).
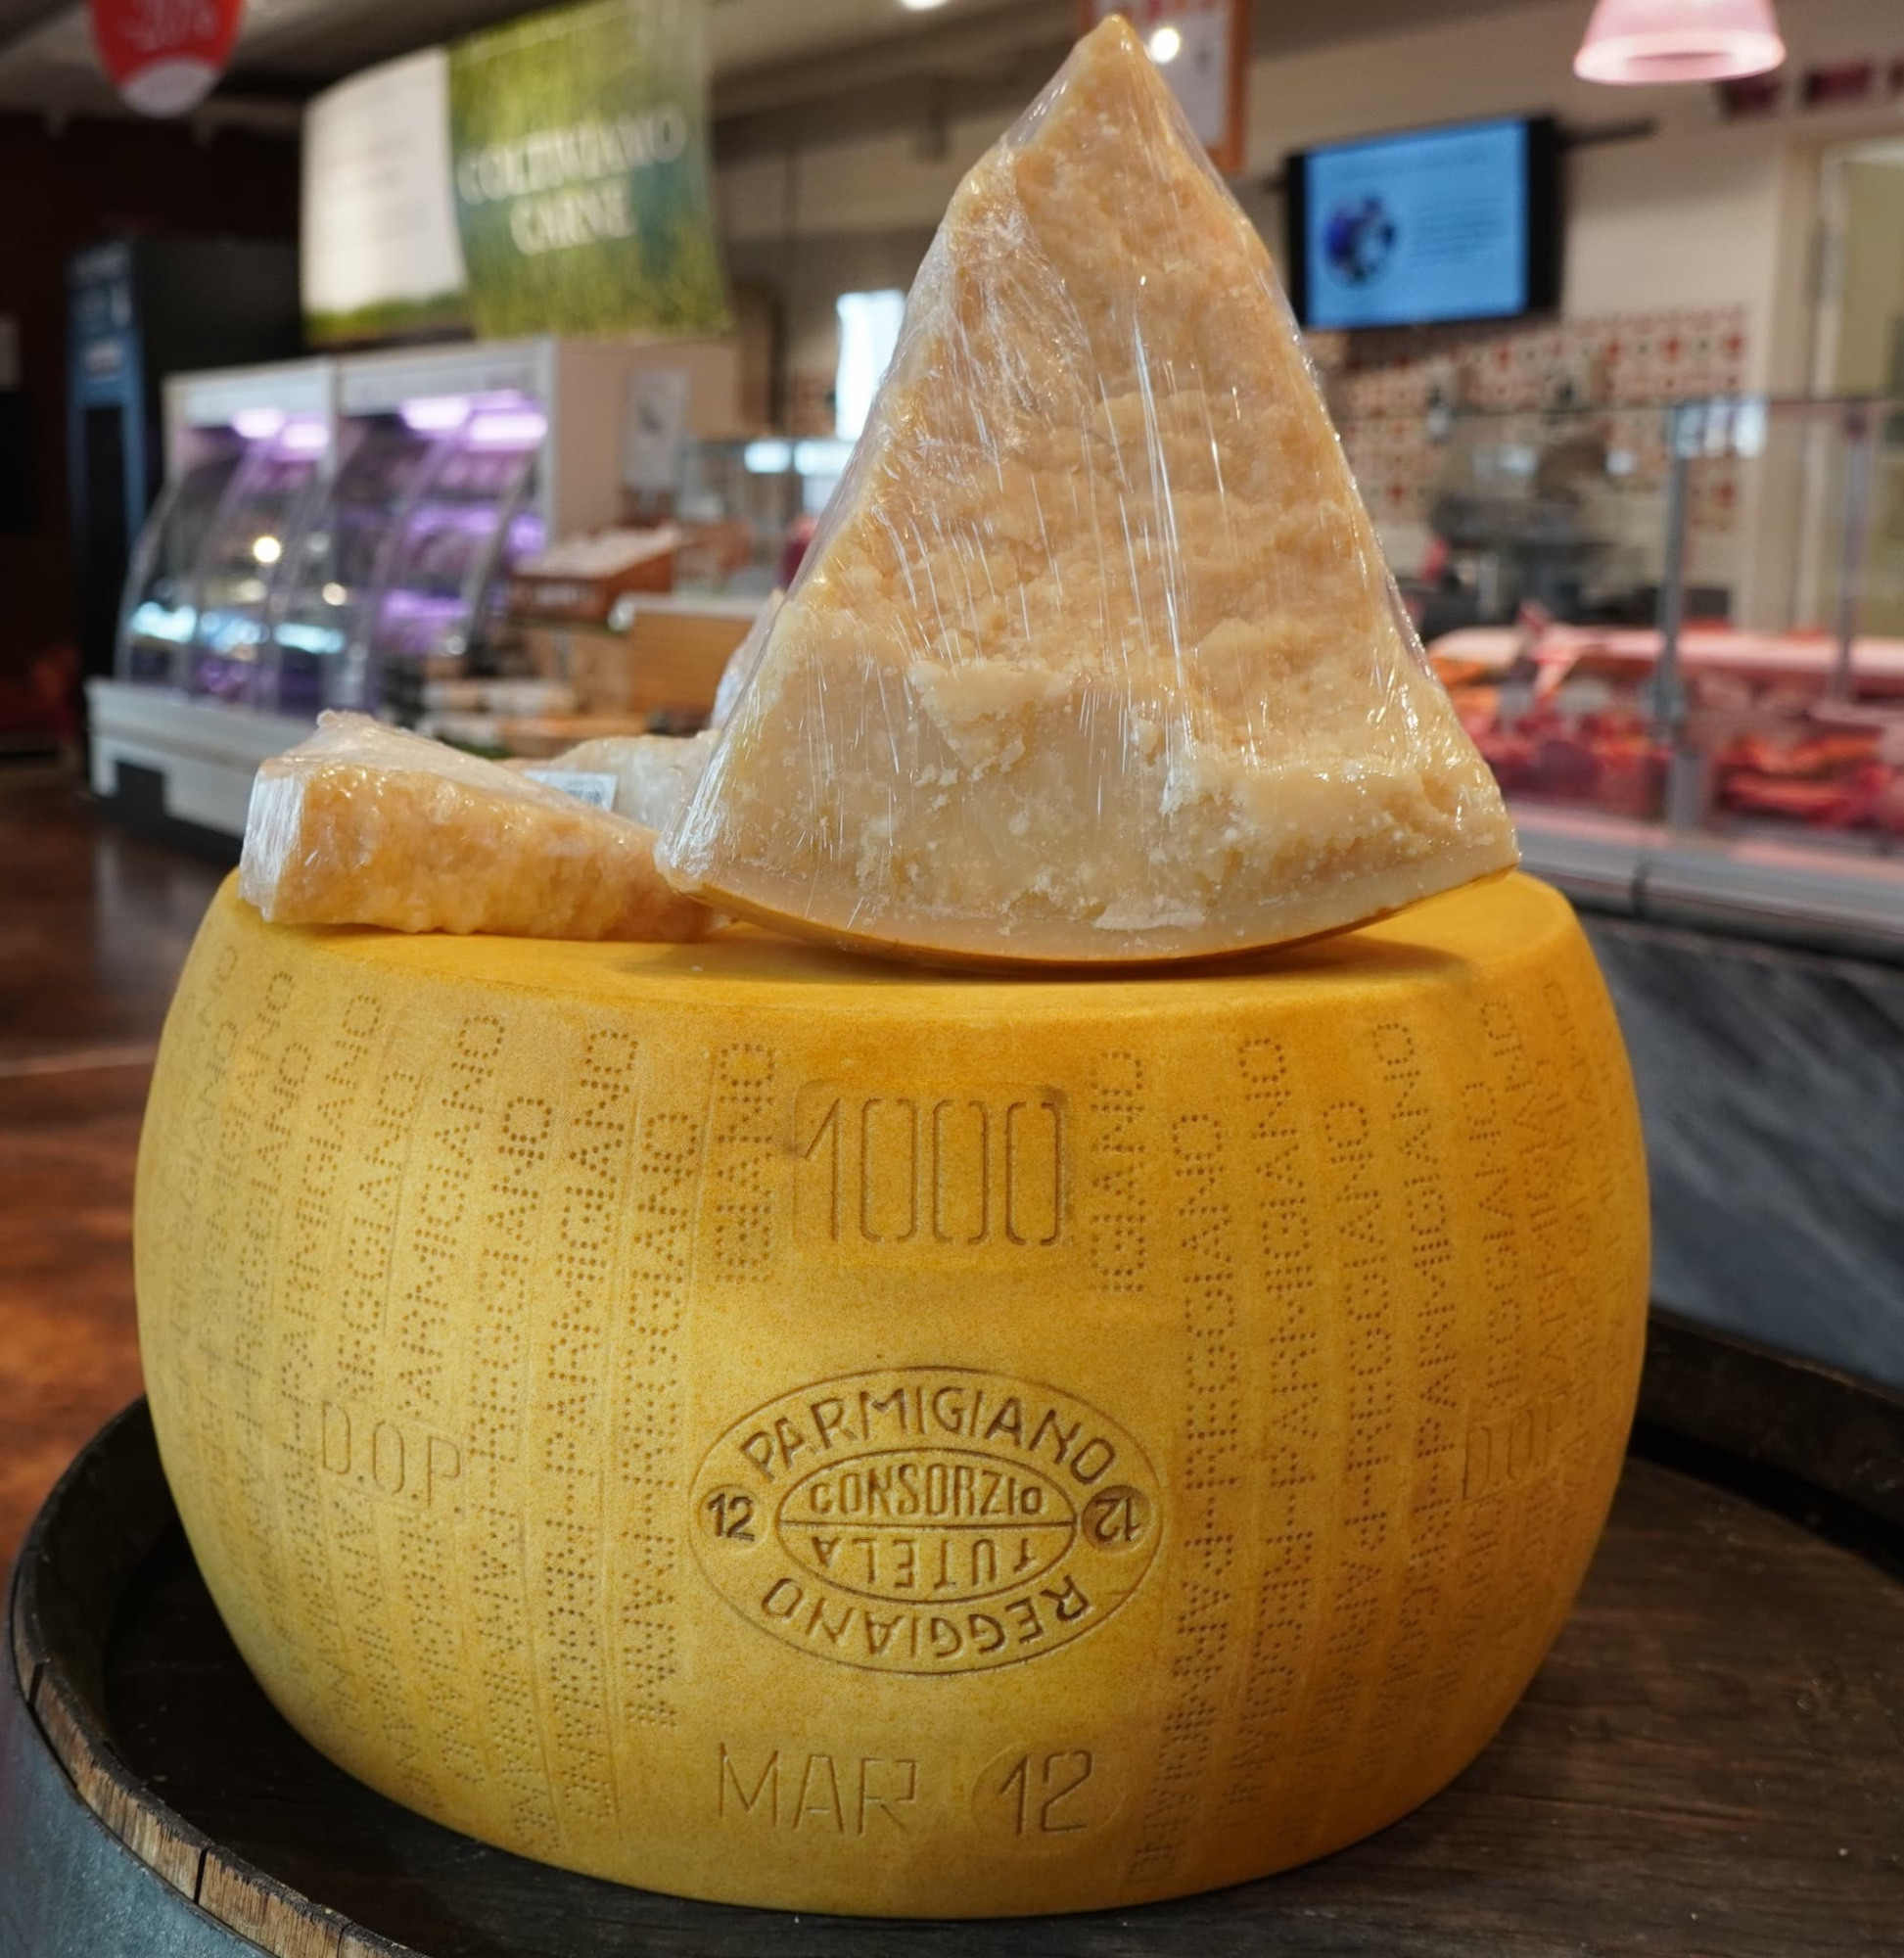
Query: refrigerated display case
(472, 518)
(323, 614)
(422, 523)
(162, 619)
(1740, 760)
(336, 532)
(250, 550)
(246, 452)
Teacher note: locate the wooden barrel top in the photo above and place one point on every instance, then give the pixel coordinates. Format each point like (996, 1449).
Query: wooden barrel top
(1710, 1762)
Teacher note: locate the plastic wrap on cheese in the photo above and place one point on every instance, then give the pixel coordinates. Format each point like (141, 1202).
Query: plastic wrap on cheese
(367, 824)
(1095, 656)
(654, 774)
(741, 662)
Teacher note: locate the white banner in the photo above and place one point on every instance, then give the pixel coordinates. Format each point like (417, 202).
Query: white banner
(381, 254)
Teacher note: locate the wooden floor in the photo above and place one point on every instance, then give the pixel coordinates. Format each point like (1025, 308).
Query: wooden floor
(94, 926)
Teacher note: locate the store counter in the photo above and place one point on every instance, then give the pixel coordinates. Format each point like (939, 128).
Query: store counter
(180, 769)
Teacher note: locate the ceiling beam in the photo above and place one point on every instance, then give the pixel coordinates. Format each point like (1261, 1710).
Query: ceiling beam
(977, 39)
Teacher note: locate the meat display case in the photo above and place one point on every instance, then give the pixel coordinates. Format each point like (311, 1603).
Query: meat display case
(1737, 759)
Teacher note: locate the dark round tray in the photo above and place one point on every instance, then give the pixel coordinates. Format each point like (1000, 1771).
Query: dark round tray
(1710, 1762)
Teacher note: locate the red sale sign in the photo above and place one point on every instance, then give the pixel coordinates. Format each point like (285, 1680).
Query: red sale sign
(164, 55)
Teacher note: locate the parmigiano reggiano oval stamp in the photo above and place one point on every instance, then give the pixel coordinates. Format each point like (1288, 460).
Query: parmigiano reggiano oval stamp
(926, 1519)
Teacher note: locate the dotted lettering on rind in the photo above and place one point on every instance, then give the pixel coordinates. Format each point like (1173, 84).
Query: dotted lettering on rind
(307, 1259)
(1201, 1654)
(1416, 1149)
(438, 1218)
(1115, 1204)
(267, 1077)
(649, 1473)
(1281, 1159)
(522, 1137)
(196, 1053)
(571, 1386)
(744, 1156)
(1357, 1594)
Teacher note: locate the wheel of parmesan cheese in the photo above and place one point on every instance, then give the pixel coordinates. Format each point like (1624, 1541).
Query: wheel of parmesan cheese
(761, 1425)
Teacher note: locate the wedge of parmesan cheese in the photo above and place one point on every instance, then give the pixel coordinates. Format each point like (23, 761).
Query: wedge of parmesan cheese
(1096, 656)
(367, 824)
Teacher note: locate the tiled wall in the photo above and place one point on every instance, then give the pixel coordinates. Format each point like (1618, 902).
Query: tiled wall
(1381, 384)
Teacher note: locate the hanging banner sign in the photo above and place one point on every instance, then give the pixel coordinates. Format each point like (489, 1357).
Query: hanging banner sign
(580, 167)
(379, 256)
(164, 56)
(550, 176)
(1201, 48)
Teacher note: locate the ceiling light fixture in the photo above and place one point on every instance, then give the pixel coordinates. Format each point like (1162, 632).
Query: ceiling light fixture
(506, 428)
(434, 414)
(1165, 45)
(921, 6)
(1650, 41)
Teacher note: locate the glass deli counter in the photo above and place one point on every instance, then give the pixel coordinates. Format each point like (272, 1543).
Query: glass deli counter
(1676, 631)
(336, 532)
(1677, 634)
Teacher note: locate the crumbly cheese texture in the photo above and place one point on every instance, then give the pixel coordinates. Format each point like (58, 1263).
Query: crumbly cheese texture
(1097, 655)
(367, 824)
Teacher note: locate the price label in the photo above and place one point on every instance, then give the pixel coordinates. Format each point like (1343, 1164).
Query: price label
(583, 784)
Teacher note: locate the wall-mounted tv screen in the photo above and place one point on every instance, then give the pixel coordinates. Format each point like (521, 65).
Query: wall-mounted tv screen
(1458, 222)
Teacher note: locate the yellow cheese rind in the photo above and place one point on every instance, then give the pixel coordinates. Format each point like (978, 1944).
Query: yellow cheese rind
(1096, 657)
(506, 1308)
(367, 824)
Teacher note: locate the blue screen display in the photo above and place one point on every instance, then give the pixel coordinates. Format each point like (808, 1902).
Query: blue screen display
(1407, 229)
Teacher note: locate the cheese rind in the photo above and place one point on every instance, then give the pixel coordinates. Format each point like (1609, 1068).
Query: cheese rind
(1307, 1295)
(1096, 656)
(368, 824)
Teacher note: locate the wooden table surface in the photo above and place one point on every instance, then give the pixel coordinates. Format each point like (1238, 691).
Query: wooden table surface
(94, 926)
(1711, 1764)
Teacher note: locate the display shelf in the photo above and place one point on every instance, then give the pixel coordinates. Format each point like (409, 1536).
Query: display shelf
(189, 763)
(1763, 887)
(1777, 889)
(332, 529)
(1596, 859)
(1707, 1762)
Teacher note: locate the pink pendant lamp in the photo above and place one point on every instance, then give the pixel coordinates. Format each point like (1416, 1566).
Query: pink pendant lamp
(1678, 40)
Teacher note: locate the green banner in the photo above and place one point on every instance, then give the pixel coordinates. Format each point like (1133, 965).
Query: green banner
(579, 150)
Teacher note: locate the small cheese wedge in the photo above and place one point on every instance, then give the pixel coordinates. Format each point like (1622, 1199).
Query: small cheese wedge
(367, 824)
(1096, 656)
